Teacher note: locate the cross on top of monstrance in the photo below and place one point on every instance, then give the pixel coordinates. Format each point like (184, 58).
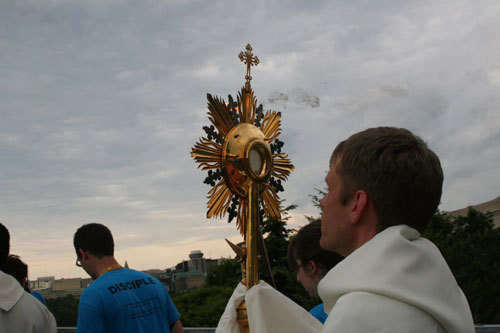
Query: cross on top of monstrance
(245, 164)
(250, 60)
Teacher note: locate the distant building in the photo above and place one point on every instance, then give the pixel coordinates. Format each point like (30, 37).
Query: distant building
(65, 287)
(87, 282)
(165, 279)
(197, 262)
(188, 274)
(492, 206)
(183, 266)
(188, 280)
(154, 272)
(65, 284)
(42, 283)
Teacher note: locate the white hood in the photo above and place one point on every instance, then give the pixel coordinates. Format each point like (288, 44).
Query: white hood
(10, 291)
(399, 264)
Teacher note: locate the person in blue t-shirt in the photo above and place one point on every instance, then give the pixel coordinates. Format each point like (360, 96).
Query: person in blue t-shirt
(311, 262)
(120, 299)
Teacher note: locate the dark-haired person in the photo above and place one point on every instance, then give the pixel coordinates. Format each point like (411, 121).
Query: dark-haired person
(120, 299)
(19, 311)
(19, 270)
(311, 262)
(384, 186)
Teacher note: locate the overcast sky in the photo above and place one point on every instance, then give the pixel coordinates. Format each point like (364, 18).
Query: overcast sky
(101, 102)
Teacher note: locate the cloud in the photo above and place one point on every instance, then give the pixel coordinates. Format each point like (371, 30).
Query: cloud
(103, 100)
(298, 96)
(277, 97)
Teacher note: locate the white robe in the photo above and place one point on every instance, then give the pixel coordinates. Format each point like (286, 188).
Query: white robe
(268, 310)
(20, 312)
(396, 282)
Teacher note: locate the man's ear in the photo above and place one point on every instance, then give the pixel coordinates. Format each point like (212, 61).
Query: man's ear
(314, 267)
(358, 206)
(316, 272)
(83, 254)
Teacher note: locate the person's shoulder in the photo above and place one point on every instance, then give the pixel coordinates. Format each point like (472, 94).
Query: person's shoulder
(30, 307)
(375, 312)
(28, 300)
(142, 275)
(95, 287)
(127, 272)
(39, 297)
(133, 271)
(129, 275)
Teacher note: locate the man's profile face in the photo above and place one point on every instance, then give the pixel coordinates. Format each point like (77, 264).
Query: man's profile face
(335, 220)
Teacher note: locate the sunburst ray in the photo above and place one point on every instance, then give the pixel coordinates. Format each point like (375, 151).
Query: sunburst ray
(270, 203)
(241, 220)
(247, 104)
(271, 125)
(218, 114)
(282, 166)
(220, 199)
(208, 154)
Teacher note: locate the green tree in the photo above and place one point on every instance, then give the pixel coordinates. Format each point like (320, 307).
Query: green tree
(64, 309)
(202, 307)
(276, 236)
(471, 245)
(226, 274)
(316, 198)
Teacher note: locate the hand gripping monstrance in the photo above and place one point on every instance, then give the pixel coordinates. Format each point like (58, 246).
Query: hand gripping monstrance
(240, 152)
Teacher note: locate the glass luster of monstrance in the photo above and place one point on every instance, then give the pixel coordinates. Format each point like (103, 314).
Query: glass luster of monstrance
(237, 153)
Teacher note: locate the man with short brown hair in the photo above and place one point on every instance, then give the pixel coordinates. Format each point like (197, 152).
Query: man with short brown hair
(120, 299)
(384, 185)
(403, 176)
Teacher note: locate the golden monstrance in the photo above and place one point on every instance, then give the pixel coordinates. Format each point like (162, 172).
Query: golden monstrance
(241, 153)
